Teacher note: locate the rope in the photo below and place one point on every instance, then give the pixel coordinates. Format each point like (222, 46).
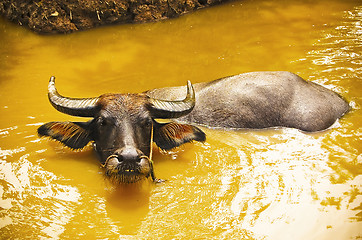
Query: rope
(107, 160)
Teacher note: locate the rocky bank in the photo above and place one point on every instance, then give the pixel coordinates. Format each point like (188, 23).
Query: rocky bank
(66, 16)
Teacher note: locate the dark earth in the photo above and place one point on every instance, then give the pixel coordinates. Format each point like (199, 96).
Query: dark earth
(66, 16)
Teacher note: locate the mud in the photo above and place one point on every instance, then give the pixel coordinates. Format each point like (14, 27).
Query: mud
(66, 16)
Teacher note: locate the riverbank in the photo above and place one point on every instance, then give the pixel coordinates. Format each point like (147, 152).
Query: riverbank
(66, 16)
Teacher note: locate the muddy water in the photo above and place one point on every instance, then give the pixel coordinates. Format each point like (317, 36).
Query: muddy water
(270, 184)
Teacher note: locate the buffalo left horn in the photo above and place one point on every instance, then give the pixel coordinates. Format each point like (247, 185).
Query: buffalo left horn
(174, 109)
(81, 107)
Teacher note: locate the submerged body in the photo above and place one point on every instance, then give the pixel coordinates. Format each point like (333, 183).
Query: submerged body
(260, 100)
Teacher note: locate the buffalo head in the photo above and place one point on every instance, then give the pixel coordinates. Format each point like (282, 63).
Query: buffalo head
(122, 129)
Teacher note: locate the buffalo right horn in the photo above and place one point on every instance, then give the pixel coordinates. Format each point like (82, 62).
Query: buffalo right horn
(81, 107)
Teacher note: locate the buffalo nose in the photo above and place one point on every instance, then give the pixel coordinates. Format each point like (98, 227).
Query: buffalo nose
(128, 154)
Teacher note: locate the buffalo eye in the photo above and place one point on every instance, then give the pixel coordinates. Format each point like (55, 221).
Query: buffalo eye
(148, 122)
(145, 122)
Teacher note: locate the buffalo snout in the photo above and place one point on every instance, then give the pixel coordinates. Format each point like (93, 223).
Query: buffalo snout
(127, 165)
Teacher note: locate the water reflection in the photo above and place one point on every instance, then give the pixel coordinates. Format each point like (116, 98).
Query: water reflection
(130, 201)
(272, 184)
(32, 196)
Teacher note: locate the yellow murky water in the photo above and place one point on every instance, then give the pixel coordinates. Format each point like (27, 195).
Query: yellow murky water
(272, 184)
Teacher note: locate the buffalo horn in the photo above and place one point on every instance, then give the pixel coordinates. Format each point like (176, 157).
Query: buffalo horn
(174, 109)
(81, 107)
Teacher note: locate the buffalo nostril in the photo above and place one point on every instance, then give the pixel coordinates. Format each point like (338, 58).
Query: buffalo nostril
(138, 160)
(113, 161)
(128, 154)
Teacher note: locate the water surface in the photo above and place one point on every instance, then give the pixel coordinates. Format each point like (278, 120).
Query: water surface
(269, 184)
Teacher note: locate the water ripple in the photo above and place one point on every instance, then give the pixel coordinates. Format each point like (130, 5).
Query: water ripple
(32, 196)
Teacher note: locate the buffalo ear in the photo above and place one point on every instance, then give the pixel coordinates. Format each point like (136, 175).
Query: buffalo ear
(75, 135)
(171, 135)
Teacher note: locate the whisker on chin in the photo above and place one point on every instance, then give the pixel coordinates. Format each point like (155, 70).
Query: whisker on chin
(130, 172)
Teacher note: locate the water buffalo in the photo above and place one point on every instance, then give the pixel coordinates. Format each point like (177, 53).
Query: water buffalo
(123, 126)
